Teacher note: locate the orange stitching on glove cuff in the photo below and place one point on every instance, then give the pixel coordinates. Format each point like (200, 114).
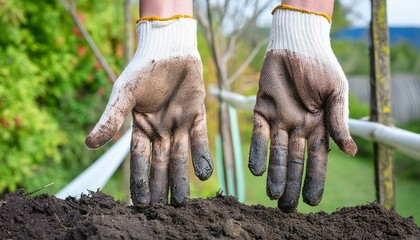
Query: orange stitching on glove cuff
(288, 7)
(156, 18)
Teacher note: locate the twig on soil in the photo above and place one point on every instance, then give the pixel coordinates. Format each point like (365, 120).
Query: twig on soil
(59, 221)
(219, 192)
(39, 189)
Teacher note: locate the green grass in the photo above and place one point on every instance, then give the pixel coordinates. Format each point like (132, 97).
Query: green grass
(350, 182)
(115, 187)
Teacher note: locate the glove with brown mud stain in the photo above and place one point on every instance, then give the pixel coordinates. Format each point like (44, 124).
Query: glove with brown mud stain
(163, 88)
(301, 101)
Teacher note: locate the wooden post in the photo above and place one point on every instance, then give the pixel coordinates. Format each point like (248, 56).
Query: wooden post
(227, 147)
(381, 102)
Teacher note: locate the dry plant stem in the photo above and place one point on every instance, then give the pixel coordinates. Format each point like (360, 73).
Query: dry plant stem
(223, 49)
(39, 189)
(220, 53)
(71, 9)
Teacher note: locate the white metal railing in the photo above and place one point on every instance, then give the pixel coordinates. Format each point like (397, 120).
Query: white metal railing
(404, 141)
(98, 174)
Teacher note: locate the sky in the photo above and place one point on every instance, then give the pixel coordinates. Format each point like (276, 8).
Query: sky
(400, 12)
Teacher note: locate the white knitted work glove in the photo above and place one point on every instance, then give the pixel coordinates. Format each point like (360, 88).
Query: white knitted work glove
(302, 99)
(163, 88)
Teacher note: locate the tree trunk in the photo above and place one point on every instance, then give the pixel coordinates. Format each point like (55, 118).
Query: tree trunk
(227, 147)
(381, 102)
(128, 53)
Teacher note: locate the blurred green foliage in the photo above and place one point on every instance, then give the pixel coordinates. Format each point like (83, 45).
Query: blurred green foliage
(405, 59)
(52, 90)
(354, 57)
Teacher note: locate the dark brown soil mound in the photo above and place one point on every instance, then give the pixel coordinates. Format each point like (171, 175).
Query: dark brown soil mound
(98, 216)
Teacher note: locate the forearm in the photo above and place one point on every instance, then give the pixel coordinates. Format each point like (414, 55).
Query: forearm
(165, 8)
(323, 6)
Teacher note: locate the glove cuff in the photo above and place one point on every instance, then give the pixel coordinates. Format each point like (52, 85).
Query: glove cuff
(156, 18)
(160, 39)
(300, 31)
(285, 6)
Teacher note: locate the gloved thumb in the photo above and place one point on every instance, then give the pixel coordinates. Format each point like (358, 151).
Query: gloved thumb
(112, 118)
(337, 121)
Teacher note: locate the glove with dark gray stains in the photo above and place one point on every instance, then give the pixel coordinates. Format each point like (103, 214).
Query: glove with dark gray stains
(163, 88)
(301, 101)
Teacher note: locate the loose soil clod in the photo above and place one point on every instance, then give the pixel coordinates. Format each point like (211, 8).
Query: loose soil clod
(98, 216)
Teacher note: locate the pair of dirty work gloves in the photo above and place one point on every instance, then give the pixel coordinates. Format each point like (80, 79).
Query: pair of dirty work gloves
(301, 101)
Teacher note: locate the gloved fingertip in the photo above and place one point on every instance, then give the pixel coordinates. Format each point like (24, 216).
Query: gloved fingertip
(258, 155)
(256, 169)
(100, 136)
(204, 174)
(275, 186)
(257, 160)
(203, 165)
(287, 208)
(140, 192)
(89, 143)
(349, 147)
(274, 193)
(313, 189)
(312, 201)
(178, 201)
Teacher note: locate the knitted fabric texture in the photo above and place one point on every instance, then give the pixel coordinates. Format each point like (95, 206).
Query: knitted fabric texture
(302, 100)
(163, 88)
(156, 18)
(285, 6)
(157, 41)
(308, 36)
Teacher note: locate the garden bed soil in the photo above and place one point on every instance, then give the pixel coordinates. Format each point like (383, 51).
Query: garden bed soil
(98, 216)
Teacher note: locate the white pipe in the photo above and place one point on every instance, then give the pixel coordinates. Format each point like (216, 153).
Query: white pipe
(234, 99)
(391, 136)
(97, 175)
(405, 141)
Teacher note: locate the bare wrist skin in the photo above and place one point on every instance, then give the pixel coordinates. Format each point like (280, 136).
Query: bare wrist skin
(323, 6)
(165, 8)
